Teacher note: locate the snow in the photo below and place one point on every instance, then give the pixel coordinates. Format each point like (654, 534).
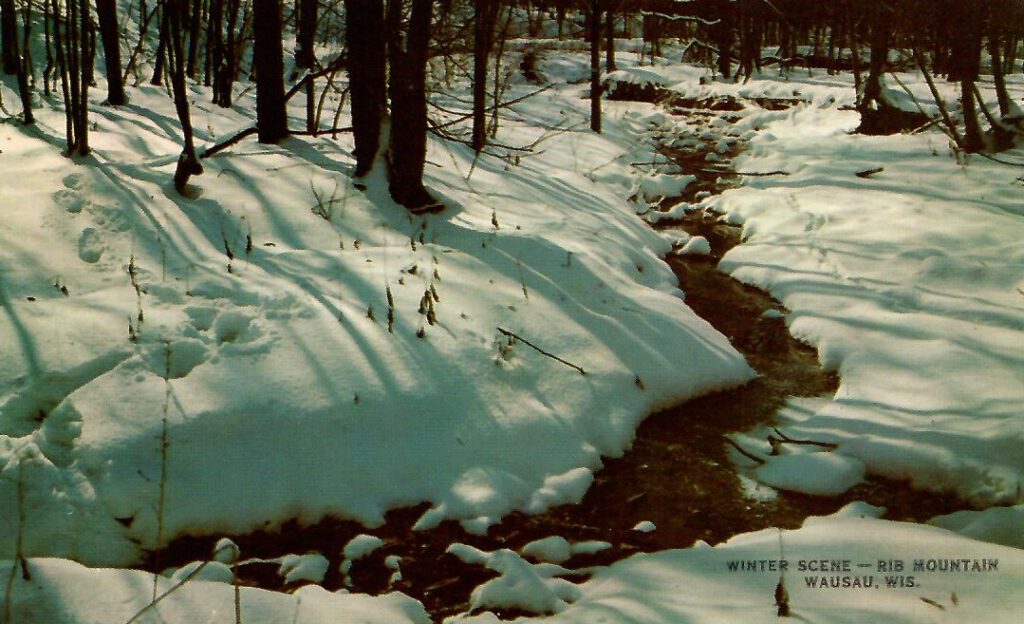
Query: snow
(696, 584)
(655, 187)
(906, 283)
(357, 548)
(999, 525)
(696, 246)
(64, 591)
(819, 474)
(644, 526)
(553, 549)
(234, 330)
(310, 567)
(226, 551)
(361, 546)
(212, 571)
(522, 585)
(223, 363)
(590, 547)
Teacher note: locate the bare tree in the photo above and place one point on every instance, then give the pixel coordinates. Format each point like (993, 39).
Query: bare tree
(271, 117)
(106, 11)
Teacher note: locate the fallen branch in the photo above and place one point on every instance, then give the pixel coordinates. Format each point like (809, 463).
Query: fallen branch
(751, 174)
(867, 173)
(776, 443)
(541, 351)
(223, 145)
(318, 132)
(743, 451)
(1000, 161)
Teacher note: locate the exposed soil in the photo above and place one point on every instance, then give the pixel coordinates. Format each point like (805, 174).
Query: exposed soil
(677, 474)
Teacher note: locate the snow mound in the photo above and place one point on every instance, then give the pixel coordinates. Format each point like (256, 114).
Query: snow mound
(696, 246)
(217, 364)
(554, 549)
(819, 474)
(909, 288)
(295, 568)
(64, 591)
(522, 585)
(999, 525)
(710, 585)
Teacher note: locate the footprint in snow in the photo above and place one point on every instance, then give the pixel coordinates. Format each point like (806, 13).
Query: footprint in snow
(73, 181)
(90, 246)
(71, 200)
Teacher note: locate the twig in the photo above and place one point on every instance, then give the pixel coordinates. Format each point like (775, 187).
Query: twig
(995, 123)
(951, 130)
(541, 351)
(743, 451)
(493, 108)
(188, 577)
(789, 440)
(19, 557)
(223, 145)
(752, 174)
(330, 69)
(318, 132)
(867, 173)
(1000, 161)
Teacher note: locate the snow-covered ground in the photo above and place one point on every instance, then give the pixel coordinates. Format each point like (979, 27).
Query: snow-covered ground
(282, 345)
(838, 569)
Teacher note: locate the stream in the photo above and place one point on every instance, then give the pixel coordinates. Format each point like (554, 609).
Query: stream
(678, 473)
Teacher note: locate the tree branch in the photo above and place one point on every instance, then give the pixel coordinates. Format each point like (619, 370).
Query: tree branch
(541, 351)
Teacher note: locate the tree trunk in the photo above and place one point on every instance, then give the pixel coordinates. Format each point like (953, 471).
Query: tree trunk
(408, 145)
(880, 35)
(60, 44)
(364, 26)
(994, 49)
(9, 35)
(161, 47)
(723, 38)
(306, 35)
(188, 163)
(24, 68)
(305, 54)
(106, 10)
(483, 38)
(214, 45)
(194, 28)
(271, 117)
(972, 129)
(224, 71)
(609, 33)
(595, 65)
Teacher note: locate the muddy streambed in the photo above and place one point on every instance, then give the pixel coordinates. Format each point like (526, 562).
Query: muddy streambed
(677, 474)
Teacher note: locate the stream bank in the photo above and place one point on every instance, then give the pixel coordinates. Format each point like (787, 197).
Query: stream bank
(678, 474)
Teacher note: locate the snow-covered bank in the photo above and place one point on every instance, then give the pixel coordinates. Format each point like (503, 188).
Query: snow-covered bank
(285, 346)
(67, 592)
(842, 569)
(909, 282)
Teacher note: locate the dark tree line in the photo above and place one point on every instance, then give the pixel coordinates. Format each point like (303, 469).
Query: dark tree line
(387, 45)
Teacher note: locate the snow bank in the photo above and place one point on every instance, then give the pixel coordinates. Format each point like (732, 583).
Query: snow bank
(909, 284)
(283, 346)
(69, 593)
(736, 581)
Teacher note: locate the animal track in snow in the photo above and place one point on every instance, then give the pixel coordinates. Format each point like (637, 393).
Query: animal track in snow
(70, 200)
(90, 246)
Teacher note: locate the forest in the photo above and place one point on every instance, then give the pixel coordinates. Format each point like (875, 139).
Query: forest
(422, 311)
